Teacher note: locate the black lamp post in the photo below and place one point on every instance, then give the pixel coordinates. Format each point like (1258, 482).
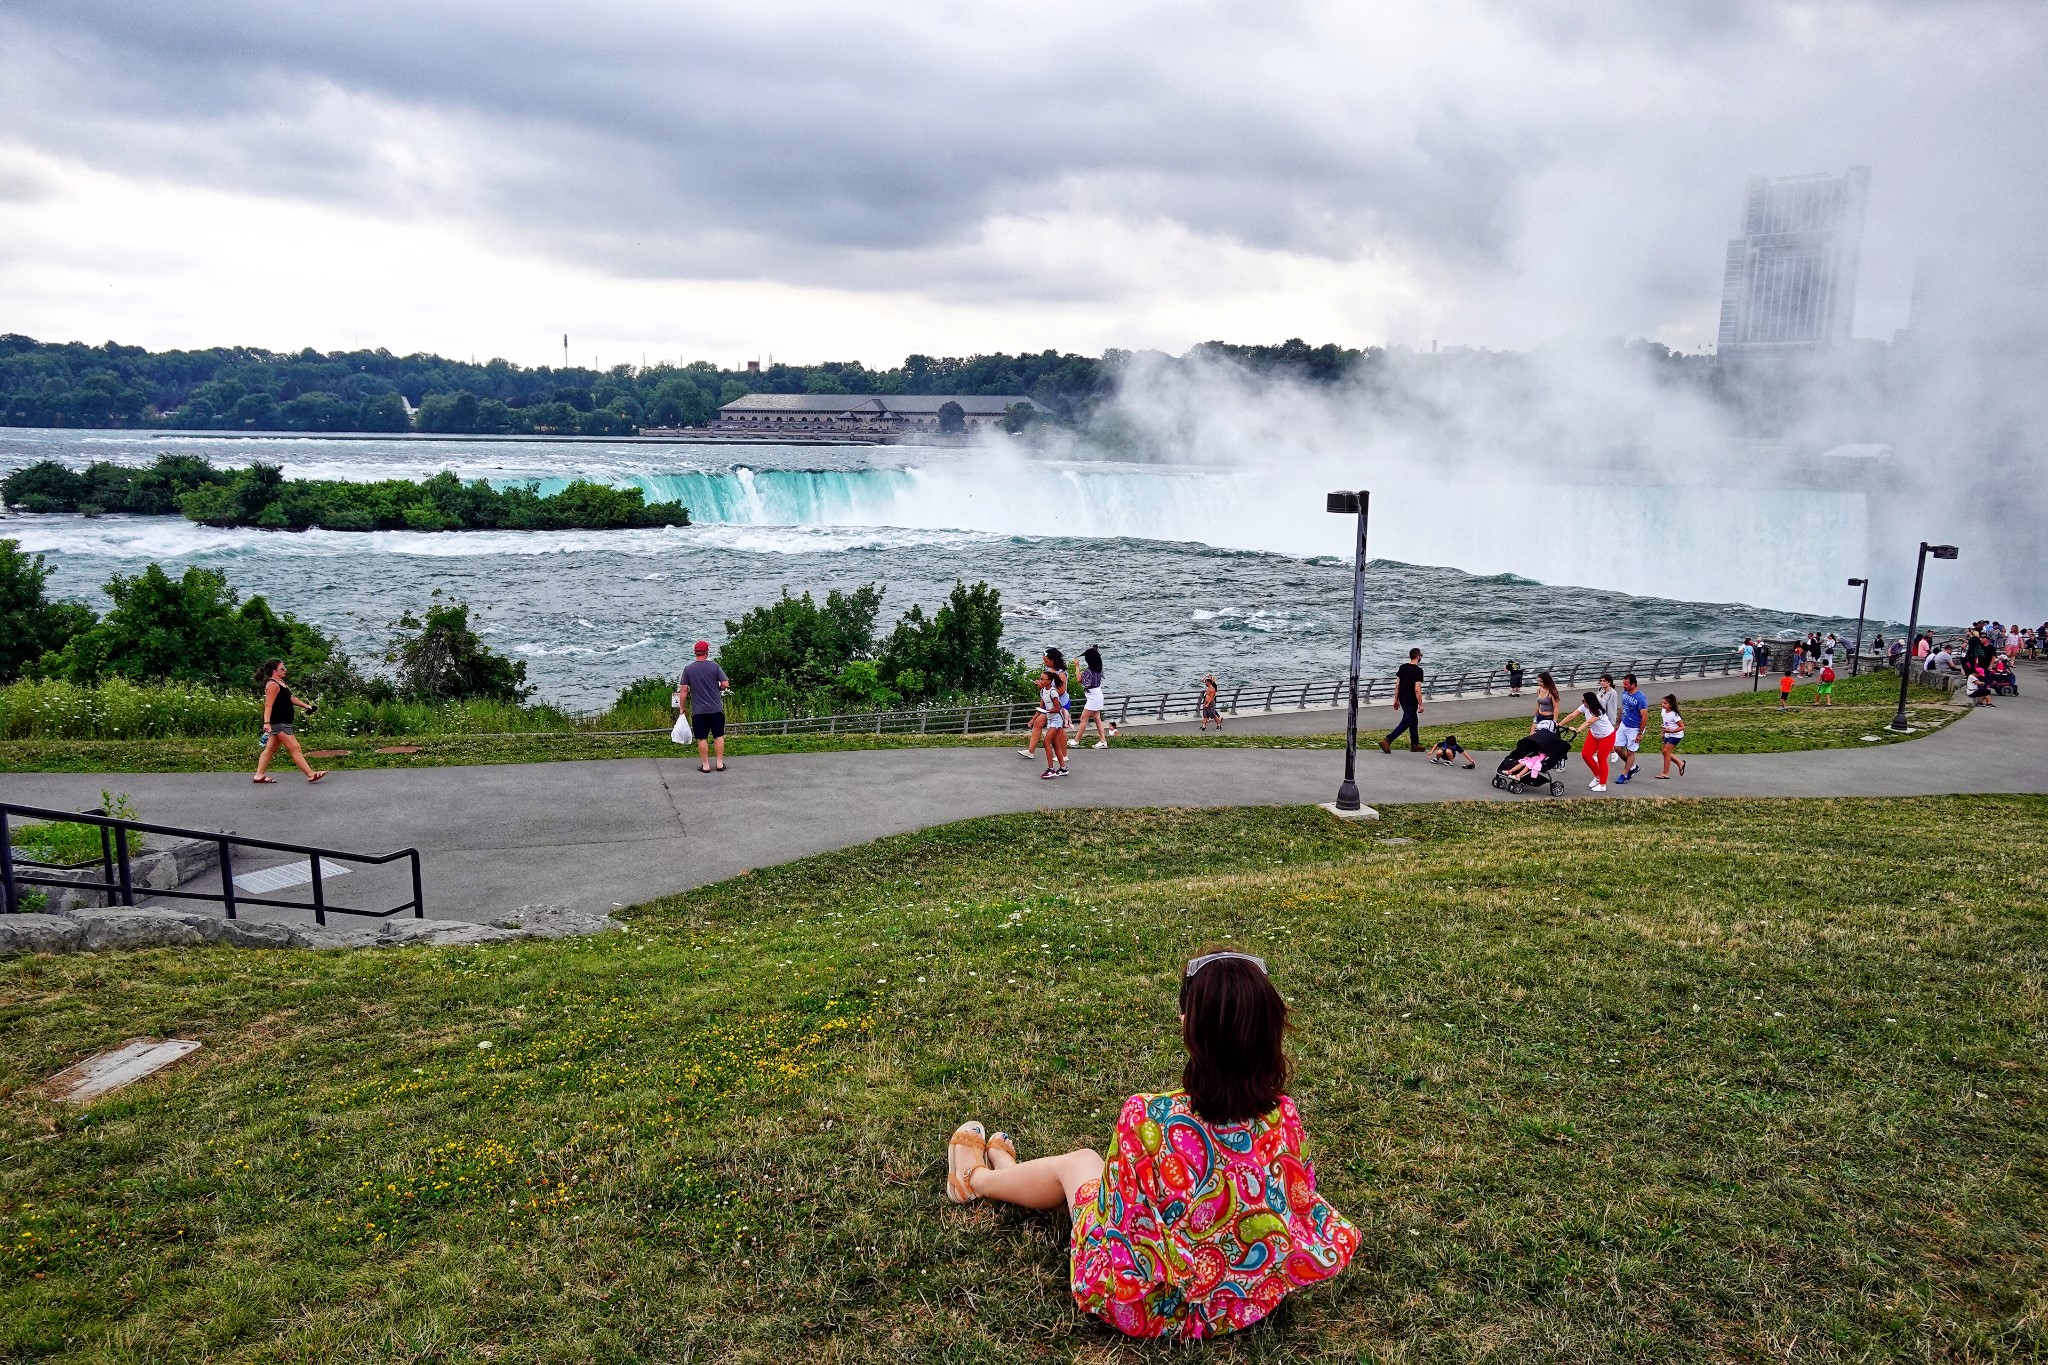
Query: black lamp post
(1353, 503)
(1856, 656)
(1913, 627)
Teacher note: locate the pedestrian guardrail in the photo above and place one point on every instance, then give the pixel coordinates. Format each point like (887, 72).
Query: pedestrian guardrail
(1138, 708)
(119, 885)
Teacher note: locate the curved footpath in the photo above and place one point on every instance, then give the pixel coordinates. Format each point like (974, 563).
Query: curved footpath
(592, 836)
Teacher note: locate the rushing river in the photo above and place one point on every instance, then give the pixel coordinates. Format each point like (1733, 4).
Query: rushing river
(1174, 571)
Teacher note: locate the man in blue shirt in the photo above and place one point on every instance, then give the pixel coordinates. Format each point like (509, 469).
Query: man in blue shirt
(1628, 735)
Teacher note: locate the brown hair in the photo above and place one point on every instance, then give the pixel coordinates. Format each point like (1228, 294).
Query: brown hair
(263, 672)
(1232, 1021)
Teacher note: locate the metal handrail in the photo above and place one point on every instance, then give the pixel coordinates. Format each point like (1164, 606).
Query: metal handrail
(1295, 695)
(121, 880)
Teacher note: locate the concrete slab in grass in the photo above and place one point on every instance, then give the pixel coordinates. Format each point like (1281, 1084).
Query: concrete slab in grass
(105, 1072)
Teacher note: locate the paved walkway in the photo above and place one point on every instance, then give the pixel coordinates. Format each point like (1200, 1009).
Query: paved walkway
(596, 835)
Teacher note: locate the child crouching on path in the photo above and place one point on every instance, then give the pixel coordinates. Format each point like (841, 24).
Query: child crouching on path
(1206, 1214)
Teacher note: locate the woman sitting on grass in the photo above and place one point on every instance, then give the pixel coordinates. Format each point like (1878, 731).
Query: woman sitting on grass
(1206, 1214)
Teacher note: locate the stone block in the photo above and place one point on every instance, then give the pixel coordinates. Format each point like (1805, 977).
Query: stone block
(556, 921)
(38, 934)
(441, 933)
(116, 930)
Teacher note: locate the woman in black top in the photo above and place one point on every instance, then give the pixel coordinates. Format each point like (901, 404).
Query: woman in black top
(279, 722)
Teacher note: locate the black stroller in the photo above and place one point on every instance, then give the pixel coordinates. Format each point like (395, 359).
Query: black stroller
(1551, 745)
(2001, 679)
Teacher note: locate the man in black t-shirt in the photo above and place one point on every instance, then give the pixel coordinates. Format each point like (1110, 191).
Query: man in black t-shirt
(1408, 700)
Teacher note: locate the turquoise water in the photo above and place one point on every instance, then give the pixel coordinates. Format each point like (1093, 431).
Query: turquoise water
(1173, 571)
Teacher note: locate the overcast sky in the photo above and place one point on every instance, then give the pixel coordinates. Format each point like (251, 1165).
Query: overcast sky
(838, 181)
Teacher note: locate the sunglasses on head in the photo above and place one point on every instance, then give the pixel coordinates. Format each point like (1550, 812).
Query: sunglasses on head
(1207, 958)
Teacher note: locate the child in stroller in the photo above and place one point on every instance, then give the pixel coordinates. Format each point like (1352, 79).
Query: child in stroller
(2000, 679)
(1535, 755)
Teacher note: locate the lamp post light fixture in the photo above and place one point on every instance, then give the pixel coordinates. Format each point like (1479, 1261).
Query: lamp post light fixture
(1913, 628)
(1353, 504)
(1856, 654)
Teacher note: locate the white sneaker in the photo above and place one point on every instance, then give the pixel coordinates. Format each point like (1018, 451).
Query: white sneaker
(1596, 786)
(1102, 744)
(1026, 753)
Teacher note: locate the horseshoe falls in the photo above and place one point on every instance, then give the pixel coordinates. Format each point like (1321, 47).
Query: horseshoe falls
(1175, 570)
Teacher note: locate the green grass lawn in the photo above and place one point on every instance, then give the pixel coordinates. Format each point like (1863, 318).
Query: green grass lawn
(1736, 724)
(1741, 1081)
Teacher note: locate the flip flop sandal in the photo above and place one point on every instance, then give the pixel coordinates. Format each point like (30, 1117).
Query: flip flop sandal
(964, 1151)
(316, 777)
(265, 780)
(1000, 1142)
(719, 769)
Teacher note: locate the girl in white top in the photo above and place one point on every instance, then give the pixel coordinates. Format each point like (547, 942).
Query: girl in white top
(1052, 704)
(1091, 704)
(1674, 734)
(1599, 737)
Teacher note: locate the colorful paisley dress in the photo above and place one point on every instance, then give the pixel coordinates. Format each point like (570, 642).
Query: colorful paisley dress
(1197, 1229)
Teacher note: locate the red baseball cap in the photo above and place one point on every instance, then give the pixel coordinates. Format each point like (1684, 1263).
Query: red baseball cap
(703, 646)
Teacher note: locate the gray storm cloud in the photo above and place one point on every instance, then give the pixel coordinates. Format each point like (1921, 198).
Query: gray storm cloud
(1544, 168)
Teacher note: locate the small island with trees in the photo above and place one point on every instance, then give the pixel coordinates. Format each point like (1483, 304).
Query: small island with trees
(260, 496)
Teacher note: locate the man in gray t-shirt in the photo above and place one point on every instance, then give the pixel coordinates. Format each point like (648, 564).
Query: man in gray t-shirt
(702, 694)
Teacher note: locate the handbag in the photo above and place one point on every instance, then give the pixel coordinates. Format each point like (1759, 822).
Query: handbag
(681, 732)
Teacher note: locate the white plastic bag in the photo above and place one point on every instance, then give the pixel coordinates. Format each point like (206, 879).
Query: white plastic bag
(681, 733)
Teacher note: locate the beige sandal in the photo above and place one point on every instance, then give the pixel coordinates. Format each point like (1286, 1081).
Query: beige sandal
(964, 1151)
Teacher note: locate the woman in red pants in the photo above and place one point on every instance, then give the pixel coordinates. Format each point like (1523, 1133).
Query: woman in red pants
(1592, 718)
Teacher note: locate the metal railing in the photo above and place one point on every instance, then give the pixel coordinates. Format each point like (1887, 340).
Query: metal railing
(115, 862)
(1245, 698)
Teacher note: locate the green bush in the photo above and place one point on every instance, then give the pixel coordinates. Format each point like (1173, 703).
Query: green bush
(30, 624)
(793, 646)
(439, 658)
(194, 629)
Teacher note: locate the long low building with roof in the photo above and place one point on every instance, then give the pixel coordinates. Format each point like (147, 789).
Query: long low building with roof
(861, 414)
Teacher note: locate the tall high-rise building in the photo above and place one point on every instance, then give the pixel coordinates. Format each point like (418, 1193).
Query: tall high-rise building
(1791, 277)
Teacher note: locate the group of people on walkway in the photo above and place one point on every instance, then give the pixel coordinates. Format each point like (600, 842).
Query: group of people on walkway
(1053, 722)
(1799, 658)
(1608, 723)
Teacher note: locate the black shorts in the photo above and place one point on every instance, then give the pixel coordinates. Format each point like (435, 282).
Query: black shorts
(708, 724)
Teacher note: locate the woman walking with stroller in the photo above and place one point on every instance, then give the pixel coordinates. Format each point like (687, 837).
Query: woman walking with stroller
(1674, 735)
(1091, 699)
(1599, 743)
(1547, 703)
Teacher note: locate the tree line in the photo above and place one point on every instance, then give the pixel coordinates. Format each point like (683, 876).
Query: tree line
(243, 388)
(261, 496)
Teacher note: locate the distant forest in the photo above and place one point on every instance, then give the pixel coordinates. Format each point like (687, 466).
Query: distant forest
(240, 388)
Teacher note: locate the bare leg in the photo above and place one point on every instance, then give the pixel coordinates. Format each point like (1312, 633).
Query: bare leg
(703, 754)
(269, 752)
(719, 745)
(291, 742)
(1049, 1182)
